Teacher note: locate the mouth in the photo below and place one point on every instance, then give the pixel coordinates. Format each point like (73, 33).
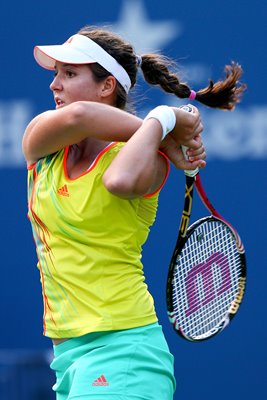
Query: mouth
(59, 102)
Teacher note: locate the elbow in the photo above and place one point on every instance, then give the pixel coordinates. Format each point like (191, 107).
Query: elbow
(123, 186)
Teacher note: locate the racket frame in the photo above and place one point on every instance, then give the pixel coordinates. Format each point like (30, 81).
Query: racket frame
(185, 231)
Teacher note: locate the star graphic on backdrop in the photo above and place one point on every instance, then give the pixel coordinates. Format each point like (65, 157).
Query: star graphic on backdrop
(145, 35)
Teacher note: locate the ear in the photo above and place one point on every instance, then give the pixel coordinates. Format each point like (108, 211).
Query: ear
(109, 86)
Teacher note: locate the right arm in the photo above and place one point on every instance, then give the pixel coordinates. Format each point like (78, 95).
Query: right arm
(53, 130)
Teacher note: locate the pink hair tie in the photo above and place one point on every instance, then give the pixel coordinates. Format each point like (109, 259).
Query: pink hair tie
(192, 95)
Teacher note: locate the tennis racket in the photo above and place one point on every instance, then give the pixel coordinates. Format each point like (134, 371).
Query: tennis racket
(207, 272)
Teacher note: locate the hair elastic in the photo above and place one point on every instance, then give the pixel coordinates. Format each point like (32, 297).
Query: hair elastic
(192, 95)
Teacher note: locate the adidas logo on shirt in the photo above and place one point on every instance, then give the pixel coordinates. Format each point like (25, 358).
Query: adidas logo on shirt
(101, 381)
(63, 191)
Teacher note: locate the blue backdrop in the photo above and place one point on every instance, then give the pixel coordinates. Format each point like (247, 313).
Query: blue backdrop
(203, 37)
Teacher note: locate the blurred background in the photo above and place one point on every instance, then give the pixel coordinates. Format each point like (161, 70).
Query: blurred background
(202, 37)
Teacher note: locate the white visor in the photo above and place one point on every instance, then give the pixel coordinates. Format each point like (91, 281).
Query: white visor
(79, 49)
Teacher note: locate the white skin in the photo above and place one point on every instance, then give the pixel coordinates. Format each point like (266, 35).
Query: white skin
(86, 118)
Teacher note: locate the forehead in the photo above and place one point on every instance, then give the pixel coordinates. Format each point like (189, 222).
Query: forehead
(61, 65)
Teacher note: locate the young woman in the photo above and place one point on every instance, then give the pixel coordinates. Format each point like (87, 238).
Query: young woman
(95, 173)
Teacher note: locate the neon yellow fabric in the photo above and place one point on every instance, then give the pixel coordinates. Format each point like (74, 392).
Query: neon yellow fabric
(88, 245)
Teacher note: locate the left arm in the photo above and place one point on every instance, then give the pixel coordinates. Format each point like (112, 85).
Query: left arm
(139, 169)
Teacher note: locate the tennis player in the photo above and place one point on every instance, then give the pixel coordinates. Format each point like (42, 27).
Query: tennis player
(94, 176)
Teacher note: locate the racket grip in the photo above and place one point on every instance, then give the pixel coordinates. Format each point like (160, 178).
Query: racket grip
(184, 149)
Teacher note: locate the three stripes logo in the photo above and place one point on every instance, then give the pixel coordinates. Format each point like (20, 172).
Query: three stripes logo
(101, 381)
(63, 191)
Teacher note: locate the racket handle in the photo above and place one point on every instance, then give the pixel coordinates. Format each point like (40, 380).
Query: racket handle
(184, 149)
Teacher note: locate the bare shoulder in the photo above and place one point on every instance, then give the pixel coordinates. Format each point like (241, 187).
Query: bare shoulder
(31, 128)
(37, 119)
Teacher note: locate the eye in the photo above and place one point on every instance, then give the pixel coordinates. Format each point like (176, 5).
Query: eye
(70, 74)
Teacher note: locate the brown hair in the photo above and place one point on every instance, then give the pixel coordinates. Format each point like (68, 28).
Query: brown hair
(156, 70)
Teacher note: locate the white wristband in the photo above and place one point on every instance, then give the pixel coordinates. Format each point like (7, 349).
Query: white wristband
(166, 116)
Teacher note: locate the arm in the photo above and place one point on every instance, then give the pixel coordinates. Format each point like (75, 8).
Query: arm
(139, 169)
(53, 130)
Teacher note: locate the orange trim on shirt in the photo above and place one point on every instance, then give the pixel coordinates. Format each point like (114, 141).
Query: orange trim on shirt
(166, 176)
(44, 230)
(66, 152)
(31, 166)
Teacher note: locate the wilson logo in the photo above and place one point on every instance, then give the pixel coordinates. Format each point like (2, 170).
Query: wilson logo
(209, 292)
(63, 191)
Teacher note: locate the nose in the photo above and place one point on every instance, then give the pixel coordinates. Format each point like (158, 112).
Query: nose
(56, 84)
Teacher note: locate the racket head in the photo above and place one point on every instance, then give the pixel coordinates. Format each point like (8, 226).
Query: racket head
(206, 280)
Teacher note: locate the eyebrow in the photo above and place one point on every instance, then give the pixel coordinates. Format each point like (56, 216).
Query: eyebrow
(68, 65)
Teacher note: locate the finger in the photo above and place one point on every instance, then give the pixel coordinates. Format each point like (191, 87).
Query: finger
(191, 165)
(192, 144)
(198, 157)
(197, 152)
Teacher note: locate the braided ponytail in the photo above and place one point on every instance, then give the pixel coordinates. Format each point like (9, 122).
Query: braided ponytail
(157, 71)
(222, 94)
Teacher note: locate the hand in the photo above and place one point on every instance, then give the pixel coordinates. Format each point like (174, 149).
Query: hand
(196, 156)
(188, 127)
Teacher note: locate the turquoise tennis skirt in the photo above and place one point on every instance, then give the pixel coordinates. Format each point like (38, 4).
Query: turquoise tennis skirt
(132, 364)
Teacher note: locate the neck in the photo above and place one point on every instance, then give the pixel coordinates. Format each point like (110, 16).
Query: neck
(82, 155)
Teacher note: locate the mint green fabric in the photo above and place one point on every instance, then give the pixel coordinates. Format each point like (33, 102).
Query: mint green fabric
(132, 364)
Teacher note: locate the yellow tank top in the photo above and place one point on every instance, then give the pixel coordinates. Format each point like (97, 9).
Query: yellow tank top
(89, 245)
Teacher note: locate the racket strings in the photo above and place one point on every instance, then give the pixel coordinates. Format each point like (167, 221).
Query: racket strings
(213, 284)
(206, 278)
(213, 237)
(191, 258)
